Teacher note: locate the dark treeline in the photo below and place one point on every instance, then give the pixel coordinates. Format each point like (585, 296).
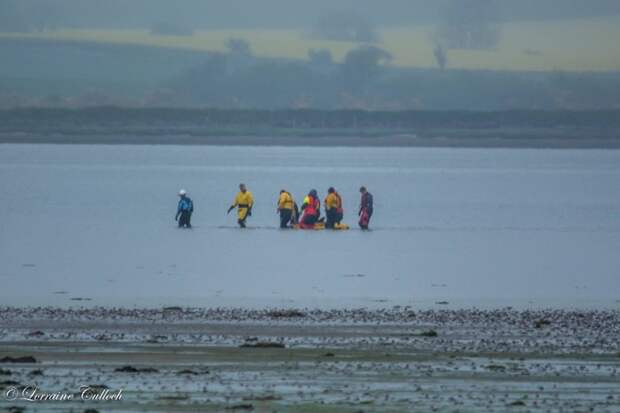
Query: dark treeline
(366, 80)
(26, 119)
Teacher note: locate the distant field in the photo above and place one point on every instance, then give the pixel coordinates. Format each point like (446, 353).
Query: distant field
(574, 45)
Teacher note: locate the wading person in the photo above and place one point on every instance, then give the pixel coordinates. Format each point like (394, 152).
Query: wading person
(333, 208)
(286, 208)
(311, 209)
(366, 208)
(243, 202)
(184, 210)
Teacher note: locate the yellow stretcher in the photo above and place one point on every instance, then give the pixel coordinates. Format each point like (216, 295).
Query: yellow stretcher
(321, 225)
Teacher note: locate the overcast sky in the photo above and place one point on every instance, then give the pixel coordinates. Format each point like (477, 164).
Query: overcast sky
(205, 14)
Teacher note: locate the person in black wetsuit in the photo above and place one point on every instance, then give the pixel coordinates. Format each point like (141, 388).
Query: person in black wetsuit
(366, 208)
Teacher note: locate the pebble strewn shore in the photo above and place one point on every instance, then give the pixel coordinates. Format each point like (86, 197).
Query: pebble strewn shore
(502, 330)
(290, 360)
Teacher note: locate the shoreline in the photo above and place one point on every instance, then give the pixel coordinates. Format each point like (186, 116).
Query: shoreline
(311, 127)
(539, 142)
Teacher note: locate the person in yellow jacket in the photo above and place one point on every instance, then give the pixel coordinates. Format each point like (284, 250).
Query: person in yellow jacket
(286, 208)
(243, 202)
(333, 208)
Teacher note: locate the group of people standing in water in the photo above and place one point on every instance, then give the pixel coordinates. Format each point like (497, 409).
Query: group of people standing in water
(291, 215)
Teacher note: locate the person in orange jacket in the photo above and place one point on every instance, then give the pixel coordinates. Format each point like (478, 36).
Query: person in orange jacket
(286, 209)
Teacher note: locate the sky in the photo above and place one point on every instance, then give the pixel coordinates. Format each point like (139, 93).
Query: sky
(205, 14)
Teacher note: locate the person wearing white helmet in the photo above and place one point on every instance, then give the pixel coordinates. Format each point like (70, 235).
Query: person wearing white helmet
(184, 210)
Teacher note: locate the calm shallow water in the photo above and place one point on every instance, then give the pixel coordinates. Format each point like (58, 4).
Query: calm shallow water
(475, 227)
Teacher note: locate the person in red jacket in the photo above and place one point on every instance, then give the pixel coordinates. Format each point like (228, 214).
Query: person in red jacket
(366, 208)
(311, 209)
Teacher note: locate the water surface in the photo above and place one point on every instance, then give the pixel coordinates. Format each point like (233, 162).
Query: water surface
(473, 227)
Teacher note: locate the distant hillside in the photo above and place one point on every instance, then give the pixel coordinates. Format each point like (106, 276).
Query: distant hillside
(584, 44)
(76, 73)
(44, 68)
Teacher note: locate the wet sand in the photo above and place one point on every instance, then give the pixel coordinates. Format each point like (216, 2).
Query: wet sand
(298, 360)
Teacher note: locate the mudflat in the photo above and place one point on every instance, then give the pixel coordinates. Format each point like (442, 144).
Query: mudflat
(298, 360)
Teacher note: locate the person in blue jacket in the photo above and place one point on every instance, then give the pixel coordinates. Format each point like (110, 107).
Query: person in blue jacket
(184, 210)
